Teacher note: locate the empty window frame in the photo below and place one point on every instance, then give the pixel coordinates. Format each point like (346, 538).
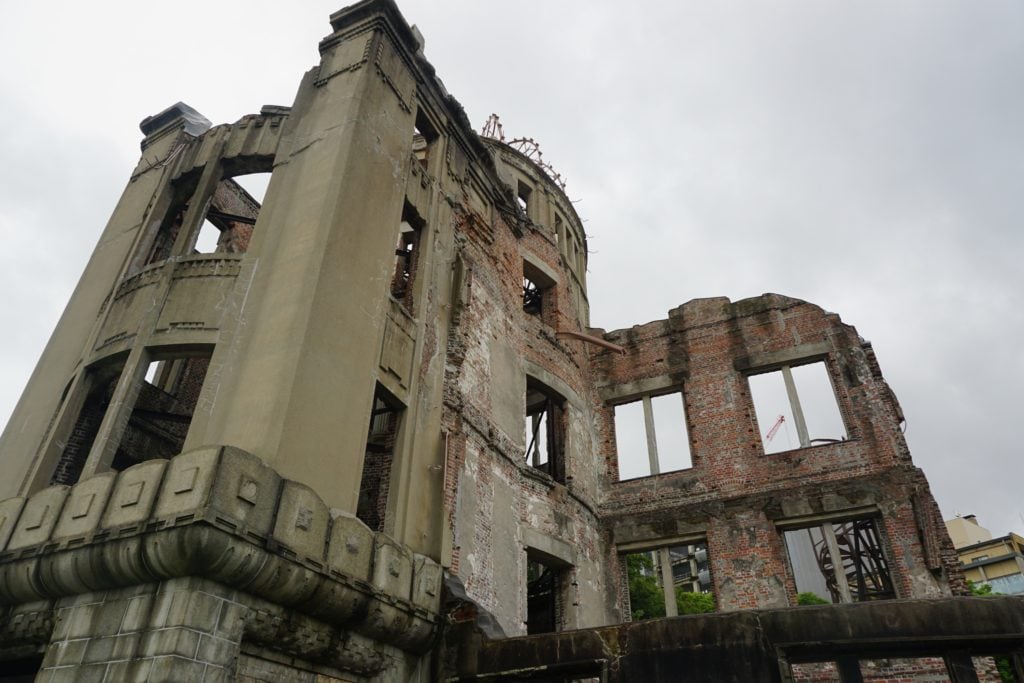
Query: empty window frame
(523, 194)
(545, 595)
(163, 410)
(796, 407)
(100, 382)
(234, 208)
(545, 429)
(227, 225)
(538, 292)
(375, 482)
(651, 436)
(839, 562)
(156, 419)
(423, 138)
(407, 256)
(684, 567)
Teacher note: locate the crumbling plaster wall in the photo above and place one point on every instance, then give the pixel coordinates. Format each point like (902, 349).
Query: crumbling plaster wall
(500, 505)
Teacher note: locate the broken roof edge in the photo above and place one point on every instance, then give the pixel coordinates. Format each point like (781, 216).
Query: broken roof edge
(541, 173)
(178, 113)
(411, 47)
(710, 310)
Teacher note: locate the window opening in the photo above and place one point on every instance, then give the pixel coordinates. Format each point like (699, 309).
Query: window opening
(543, 596)
(255, 185)
(406, 257)
(683, 567)
(227, 224)
(532, 297)
(380, 447)
(545, 429)
(796, 407)
(538, 292)
(523, 192)
(651, 436)
(209, 238)
(423, 138)
(839, 562)
(167, 233)
(160, 420)
(101, 382)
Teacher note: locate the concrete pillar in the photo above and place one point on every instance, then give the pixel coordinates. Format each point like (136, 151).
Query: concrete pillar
(297, 376)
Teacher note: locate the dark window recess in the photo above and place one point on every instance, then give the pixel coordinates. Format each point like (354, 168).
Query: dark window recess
(532, 297)
(406, 257)
(157, 425)
(163, 411)
(423, 138)
(380, 448)
(22, 670)
(538, 293)
(545, 429)
(860, 573)
(167, 233)
(543, 595)
(102, 382)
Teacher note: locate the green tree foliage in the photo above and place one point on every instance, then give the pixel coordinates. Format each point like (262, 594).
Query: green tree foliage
(694, 603)
(645, 597)
(980, 589)
(809, 598)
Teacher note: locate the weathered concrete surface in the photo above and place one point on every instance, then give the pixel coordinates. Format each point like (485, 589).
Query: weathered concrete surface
(748, 646)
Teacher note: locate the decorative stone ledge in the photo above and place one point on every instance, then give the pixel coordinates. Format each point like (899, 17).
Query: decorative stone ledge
(218, 513)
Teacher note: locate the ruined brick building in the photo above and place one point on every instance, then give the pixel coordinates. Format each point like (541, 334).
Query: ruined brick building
(367, 433)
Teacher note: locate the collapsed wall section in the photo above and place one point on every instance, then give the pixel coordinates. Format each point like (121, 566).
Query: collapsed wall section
(839, 512)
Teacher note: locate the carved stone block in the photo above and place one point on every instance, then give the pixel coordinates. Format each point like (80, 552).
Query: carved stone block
(85, 505)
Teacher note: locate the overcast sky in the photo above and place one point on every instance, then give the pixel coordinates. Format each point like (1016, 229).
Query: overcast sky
(866, 156)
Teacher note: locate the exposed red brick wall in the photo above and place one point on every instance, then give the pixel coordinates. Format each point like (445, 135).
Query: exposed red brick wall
(734, 493)
(735, 497)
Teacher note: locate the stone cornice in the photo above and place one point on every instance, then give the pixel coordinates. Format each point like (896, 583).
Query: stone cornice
(220, 514)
